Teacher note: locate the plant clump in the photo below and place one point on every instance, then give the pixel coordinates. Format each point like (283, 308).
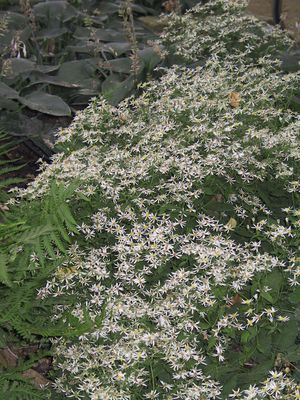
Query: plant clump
(222, 29)
(181, 276)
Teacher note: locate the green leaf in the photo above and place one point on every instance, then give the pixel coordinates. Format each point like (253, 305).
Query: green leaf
(248, 335)
(115, 91)
(150, 58)
(9, 105)
(116, 48)
(51, 33)
(264, 341)
(255, 374)
(295, 103)
(14, 20)
(216, 206)
(110, 83)
(294, 297)
(7, 92)
(19, 66)
(293, 355)
(267, 296)
(10, 181)
(78, 71)
(37, 77)
(120, 65)
(287, 336)
(103, 35)
(290, 61)
(4, 278)
(54, 13)
(274, 280)
(32, 235)
(46, 103)
(229, 384)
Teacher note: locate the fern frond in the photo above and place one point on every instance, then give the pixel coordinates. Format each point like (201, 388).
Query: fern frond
(9, 182)
(4, 278)
(9, 169)
(48, 245)
(6, 146)
(57, 241)
(17, 388)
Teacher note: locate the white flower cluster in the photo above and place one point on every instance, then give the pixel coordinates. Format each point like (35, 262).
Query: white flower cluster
(276, 386)
(171, 176)
(221, 29)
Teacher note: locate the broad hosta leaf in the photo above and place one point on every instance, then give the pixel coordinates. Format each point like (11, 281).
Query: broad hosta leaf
(150, 58)
(85, 47)
(54, 13)
(7, 92)
(10, 34)
(109, 83)
(97, 20)
(90, 87)
(108, 7)
(46, 103)
(116, 48)
(153, 22)
(77, 71)
(21, 65)
(51, 33)
(7, 104)
(104, 35)
(37, 77)
(18, 124)
(140, 9)
(14, 20)
(115, 91)
(88, 47)
(18, 66)
(120, 65)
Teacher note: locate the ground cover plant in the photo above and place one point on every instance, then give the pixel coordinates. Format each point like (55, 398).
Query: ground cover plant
(160, 249)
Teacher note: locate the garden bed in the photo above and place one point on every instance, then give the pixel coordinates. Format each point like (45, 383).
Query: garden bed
(159, 250)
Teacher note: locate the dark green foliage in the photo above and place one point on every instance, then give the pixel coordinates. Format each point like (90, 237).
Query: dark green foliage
(7, 167)
(34, 241)
(38, 235)
(14, 387)
(55, 56)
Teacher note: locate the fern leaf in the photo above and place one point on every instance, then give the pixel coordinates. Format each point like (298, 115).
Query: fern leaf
(60, 227)
(14, 387)
(10, 181)
(13, 168)
(66, 216)
(4, 278)
(5, 162)
(48, 246)
(71, 188)
(31, 236)
(38, 249)
(58, 242)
